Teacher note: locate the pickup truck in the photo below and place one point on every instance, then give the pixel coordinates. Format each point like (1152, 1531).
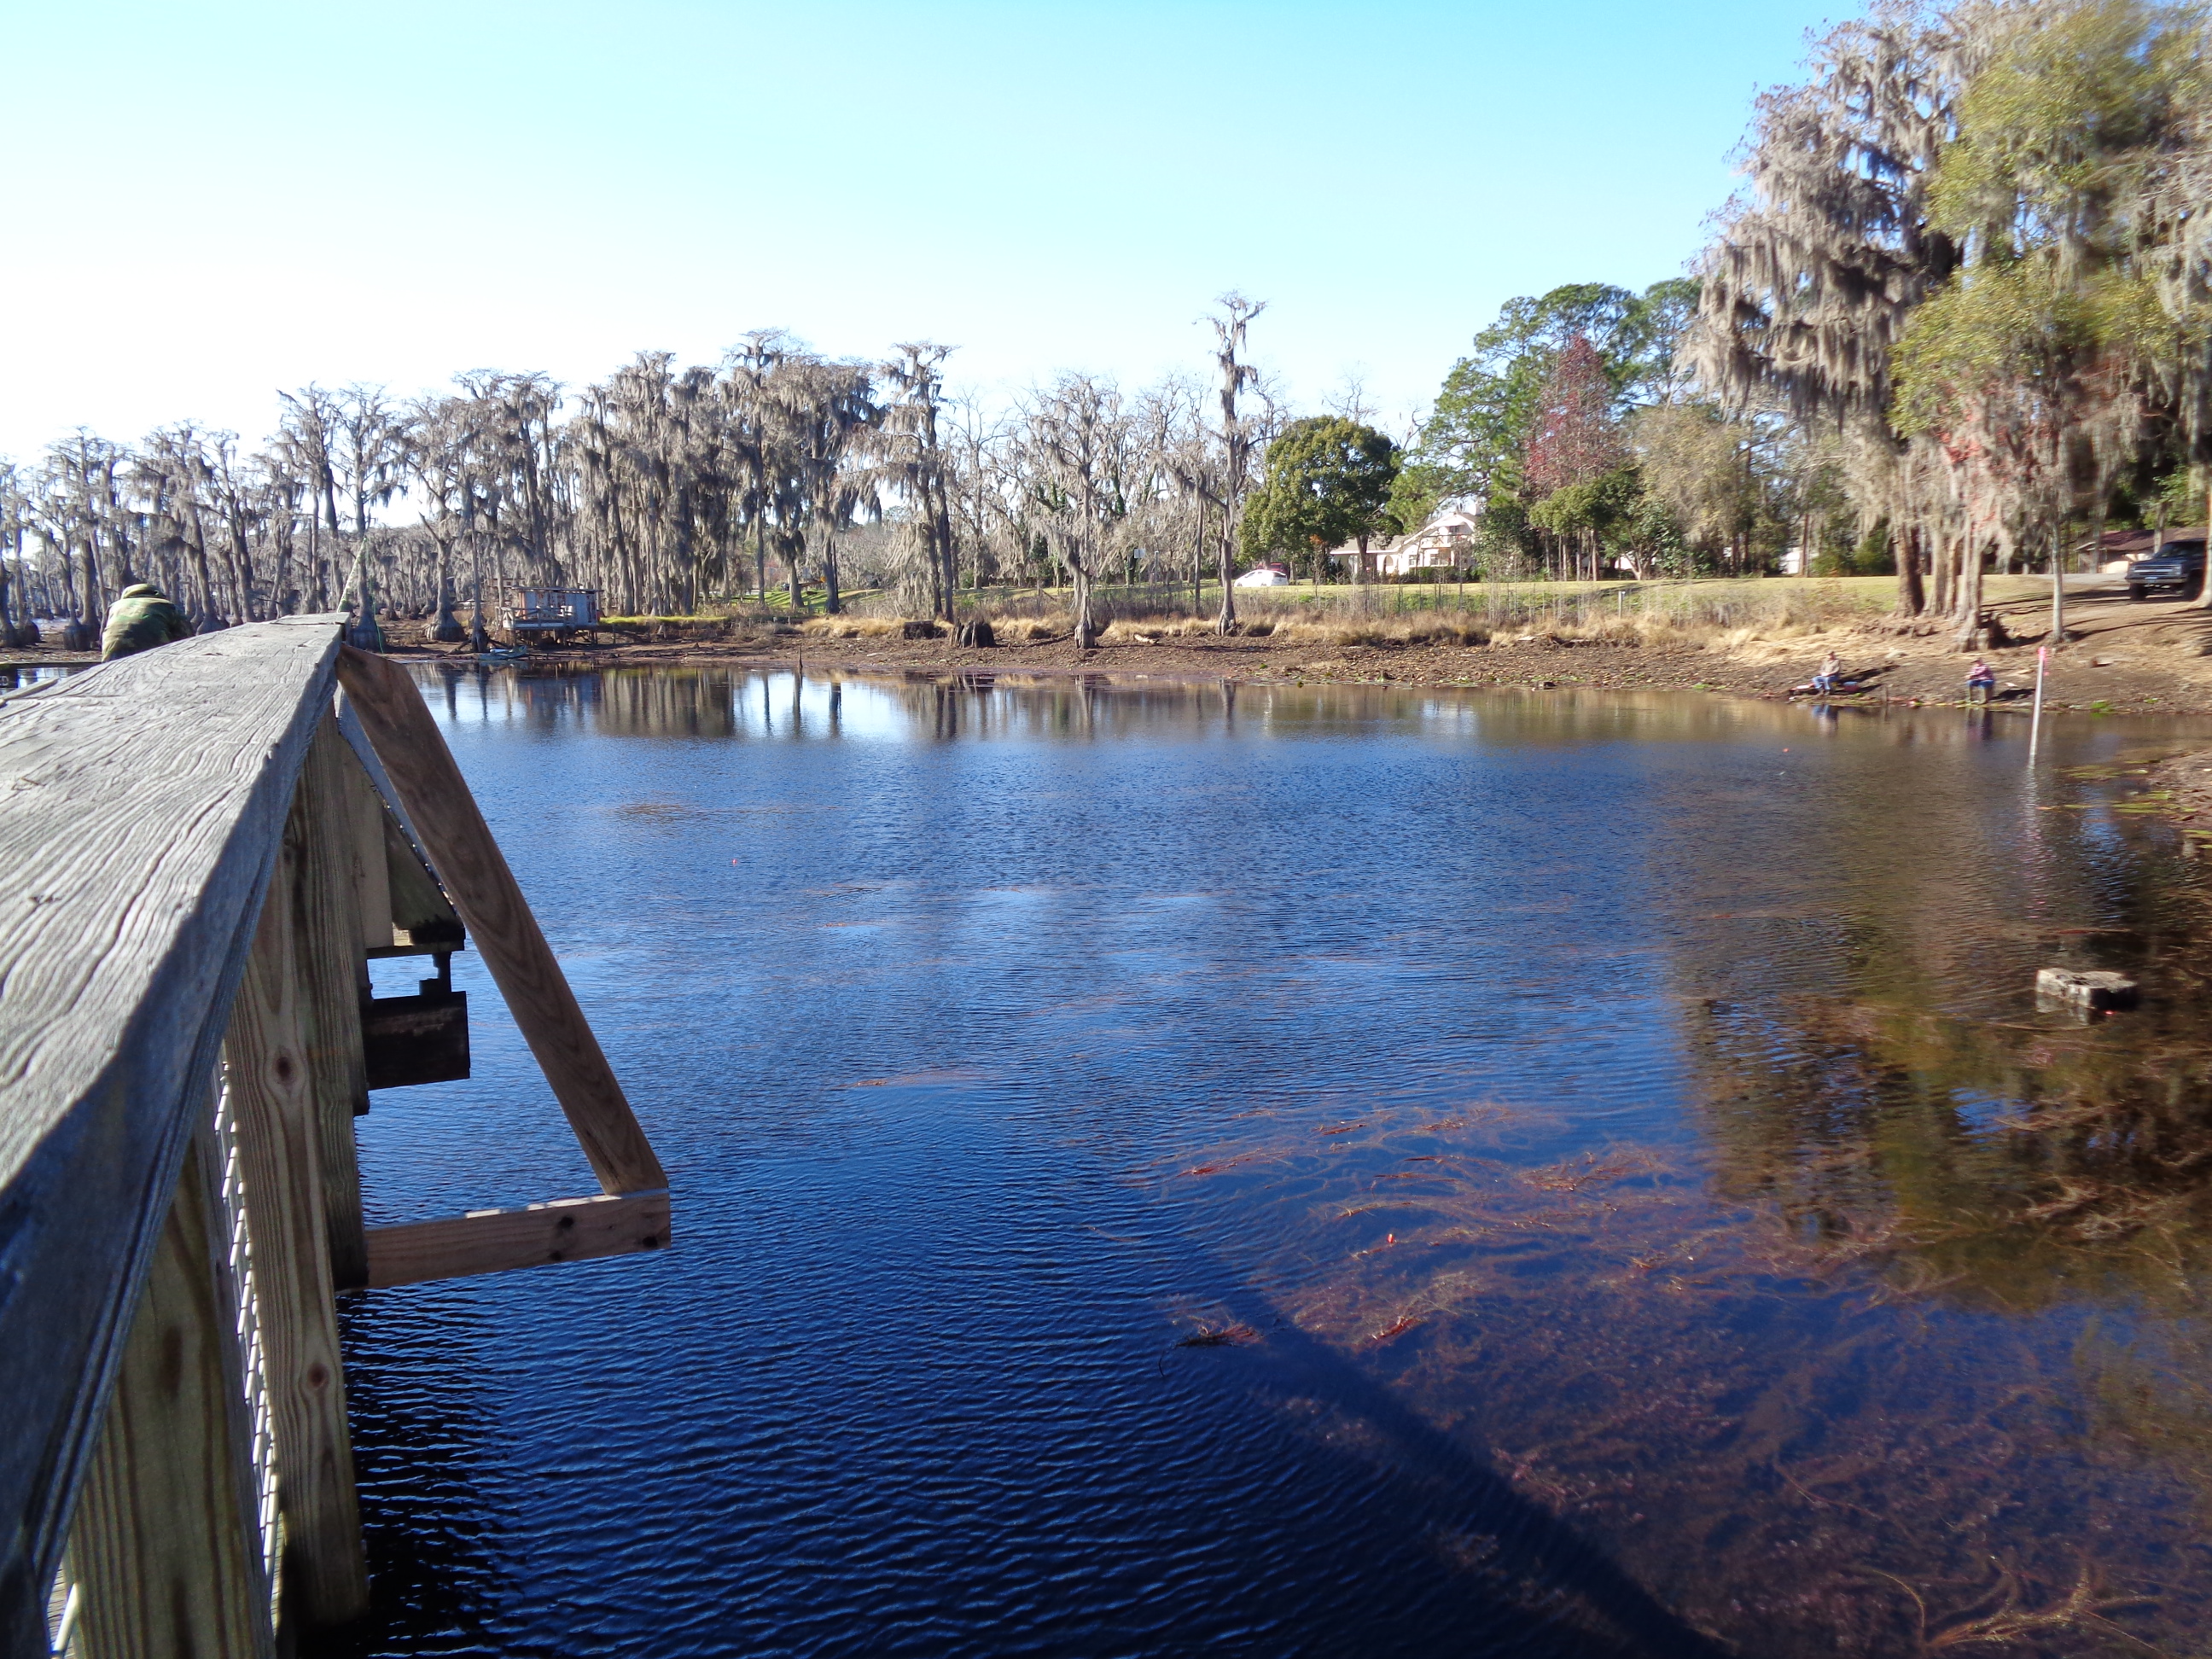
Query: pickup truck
(2177, 567)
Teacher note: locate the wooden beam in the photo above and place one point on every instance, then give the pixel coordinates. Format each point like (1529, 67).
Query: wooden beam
(140, 806)
(280, 1132)
(372, 878)
(436, 799)
(327, 910)
(166, 1546)
(493, 1241)
(422, 918)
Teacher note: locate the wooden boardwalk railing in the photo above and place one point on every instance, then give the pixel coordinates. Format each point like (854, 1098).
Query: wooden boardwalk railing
(197, 863)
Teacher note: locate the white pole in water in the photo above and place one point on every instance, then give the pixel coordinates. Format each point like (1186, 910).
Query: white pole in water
(2035, 724)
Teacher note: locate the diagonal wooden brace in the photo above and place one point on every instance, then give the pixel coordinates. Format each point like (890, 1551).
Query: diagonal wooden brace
(436, 799)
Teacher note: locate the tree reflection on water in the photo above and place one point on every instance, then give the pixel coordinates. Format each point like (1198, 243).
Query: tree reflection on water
(1880, 1330)
(1907, 1350)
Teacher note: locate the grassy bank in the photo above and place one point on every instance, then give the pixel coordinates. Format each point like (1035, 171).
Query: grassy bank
(1727, 612)
(1467, 613)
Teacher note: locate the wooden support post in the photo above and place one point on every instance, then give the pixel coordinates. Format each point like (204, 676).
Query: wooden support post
(436, 799)
(166, 1545)
(365, 815)
(326, 911)
(280, 1124)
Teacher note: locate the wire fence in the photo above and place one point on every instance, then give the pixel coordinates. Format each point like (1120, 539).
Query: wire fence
(1528, 607)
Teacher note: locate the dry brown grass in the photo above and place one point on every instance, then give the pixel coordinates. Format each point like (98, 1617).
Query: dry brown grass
(1151, 631)
(1750, 619)
(1620, 630)
(853, 628)
(1436, 628)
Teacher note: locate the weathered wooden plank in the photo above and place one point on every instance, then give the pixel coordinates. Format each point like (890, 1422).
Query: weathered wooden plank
(429, 786)
(493, 1241)
(167, 1546)
(371, 874)
(141, 805)
(280, 1130)
(422, 918)
(327, 916)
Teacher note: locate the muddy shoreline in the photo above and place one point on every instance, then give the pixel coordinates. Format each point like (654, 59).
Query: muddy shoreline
(2123, 657)
(2126, 658)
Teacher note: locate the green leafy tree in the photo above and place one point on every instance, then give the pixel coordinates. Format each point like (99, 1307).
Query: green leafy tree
(1654, 542)
(1328, 483)
(1490, 405)
(2043, 359)
(1819, 262)
(1593, 508)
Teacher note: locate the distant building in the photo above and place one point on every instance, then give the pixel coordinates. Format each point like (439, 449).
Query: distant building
(1446, 541)
(2122, 548)
(555, 615)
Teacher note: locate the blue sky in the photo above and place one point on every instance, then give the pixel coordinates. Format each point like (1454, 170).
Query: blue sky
(209, 201)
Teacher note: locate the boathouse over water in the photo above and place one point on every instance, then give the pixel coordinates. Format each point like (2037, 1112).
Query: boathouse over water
(200, 848)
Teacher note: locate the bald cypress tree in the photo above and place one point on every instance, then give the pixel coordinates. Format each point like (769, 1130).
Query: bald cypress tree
(1805, 293)
(1237, 377)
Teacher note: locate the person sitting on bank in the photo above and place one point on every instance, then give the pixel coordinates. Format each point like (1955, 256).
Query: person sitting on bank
(1832, 669)
(142, 619)
(1981, 681)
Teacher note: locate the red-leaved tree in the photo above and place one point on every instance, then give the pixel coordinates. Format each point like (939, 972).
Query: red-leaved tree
(1576, 442)
(1576, 439)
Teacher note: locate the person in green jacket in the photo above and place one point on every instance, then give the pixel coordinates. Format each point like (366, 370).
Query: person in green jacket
(142, 619)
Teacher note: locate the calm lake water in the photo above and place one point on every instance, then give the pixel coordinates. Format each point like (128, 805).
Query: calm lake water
(1628, 1199)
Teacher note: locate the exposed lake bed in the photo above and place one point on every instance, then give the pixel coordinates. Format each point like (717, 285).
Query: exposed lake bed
(1329, 1170)
(1747, 639)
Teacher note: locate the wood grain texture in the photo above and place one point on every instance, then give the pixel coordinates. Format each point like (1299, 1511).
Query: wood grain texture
(141, 807)
(493, 1241)
(372, 875)
(475, 876)
(279, 1127)
(166, 1546)
(422, 918)
(327, 910)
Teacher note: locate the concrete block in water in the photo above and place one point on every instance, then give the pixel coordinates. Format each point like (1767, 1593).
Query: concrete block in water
(2085, 990)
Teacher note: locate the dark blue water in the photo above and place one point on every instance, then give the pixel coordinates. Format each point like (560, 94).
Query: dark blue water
(1576, 1129)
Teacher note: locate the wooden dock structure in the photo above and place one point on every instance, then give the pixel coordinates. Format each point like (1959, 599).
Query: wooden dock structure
(202, 847)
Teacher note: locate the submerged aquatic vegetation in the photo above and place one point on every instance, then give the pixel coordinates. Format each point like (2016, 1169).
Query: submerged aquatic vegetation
(1996, 1618)
(1819, 1379)
(1217, 1336)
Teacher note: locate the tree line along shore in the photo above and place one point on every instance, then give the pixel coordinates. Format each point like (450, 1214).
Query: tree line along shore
(1956, 324)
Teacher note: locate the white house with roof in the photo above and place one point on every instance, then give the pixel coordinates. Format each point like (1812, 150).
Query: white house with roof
(1445, 541)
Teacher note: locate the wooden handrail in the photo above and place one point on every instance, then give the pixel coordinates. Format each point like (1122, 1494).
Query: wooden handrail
(192, 866)
(142, 807)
